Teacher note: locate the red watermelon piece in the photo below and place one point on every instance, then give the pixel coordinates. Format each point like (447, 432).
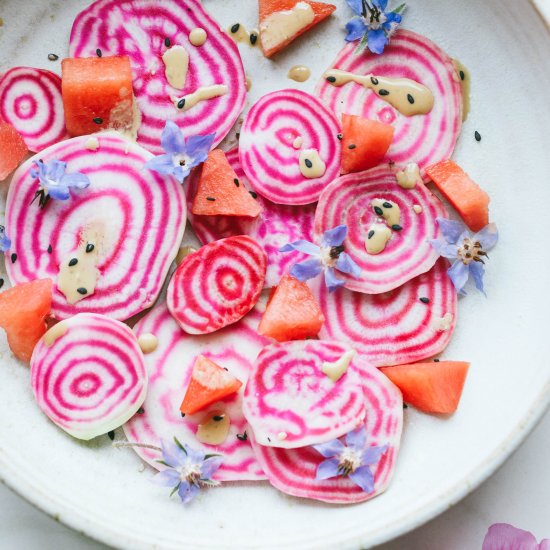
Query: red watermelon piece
(220, 192)
(364, 143)
(23, 311)
(296, 10)
(433, 387)
(292, 312)
(12, 149)
(209, 383)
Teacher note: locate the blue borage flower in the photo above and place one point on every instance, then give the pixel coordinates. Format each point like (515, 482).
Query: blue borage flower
(373, 25)
(5, 241)
(352, 460)
(468, 251)
(55, 183)
(328, 257)
(181, 155)
(187, 470)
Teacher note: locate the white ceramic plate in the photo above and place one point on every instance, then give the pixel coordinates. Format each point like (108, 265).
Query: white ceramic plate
(100, 491)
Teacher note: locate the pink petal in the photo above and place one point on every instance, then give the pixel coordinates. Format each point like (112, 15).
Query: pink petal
(503, 536)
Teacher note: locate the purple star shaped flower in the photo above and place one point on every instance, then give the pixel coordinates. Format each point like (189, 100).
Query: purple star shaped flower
(5, 241)
(353, 459)
(373, 25)
(181, 155)
(328, 257)
(503, 536)
(187, 470)
(468, 251)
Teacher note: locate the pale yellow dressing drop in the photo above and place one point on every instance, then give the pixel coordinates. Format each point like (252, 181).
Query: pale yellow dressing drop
(444, 323)
(311, 164)
(409, 176)
(92, 143)
(242, 35)
(148, 342)
(380, 234)
(214, 428)
(197, 37)
(336, 370)
(176, 62)
(417, 209)
(202, 94)
(299, 73)
(298, 142)
(56, 332)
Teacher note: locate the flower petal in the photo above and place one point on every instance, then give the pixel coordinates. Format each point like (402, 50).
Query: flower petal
(166, 478)
(377, 41)
(503, 536)
(173, 455)
(171, 139)
(393, 17)
(356, 6)
(445, 249)
(307, 269)
(357, 439)
(477, 271)
(459, 274)
(380, 4)
(336, 236)
(5, 243)
(210, 465)
(327, 469)
(163, 164)
(356, 29)
(187, 491)
(372, 455)
(194, 456)
(330, 448)
(346, 265)
(76, 180)
(59, 192)
(451, 229)
(332, 281)
(302, 246)
(487, 237)
(198, 147)
(55, 169)
(364, 478)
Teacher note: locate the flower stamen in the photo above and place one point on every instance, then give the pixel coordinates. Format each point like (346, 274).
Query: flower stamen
(471, 251)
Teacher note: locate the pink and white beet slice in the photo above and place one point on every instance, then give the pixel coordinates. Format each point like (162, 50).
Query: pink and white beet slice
(170, 366)
(145, 31)
(133, 217)
(395, 327)
(423, 139)
(349, 200)
(217, 285)
(88, 375)
(293, 471)
(30, 100)
(280, 128)
(289, 401)
(276, 225)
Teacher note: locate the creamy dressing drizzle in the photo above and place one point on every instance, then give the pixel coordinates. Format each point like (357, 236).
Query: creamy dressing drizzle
(407, 96)
(197, 37)
(202, 94)
(463, 76)
(336, 370)
(299, 73)
(390, 211)
(56, 332)
(148, 342)
(298, 142)
(282, 25)
(214, 428)
(92, 143)
(377, 238)
(239, 34)
(311, 164)
(409, 176)
(176, 62)
(444, 323)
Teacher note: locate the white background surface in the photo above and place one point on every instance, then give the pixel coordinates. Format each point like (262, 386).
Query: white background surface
(518, 493)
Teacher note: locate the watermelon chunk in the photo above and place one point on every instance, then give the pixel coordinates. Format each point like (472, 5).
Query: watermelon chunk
(219, 181)
(296, 16)
(364, 143)
(433, 387)
(97, 94)
(209, 383)
(23, 311)
(467, 198)
(292, 312)
(12, 149)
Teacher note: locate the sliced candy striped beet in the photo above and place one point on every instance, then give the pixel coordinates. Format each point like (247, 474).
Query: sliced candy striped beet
(170, 366)
(389, 227)
(289, 147)
(421, 138)
(411, 323)
(276, 225)
(217, 285)
(88, 375)
(303, 392)
(214, 87)
(30, 100)
(293, 471)
(108, 247)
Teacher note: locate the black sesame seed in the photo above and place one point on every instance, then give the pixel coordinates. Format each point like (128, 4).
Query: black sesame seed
(383, 92)
(340, 136)
(477, 135)
(89, 248)
(269, 439)
(50, 249)
(237, 135)
(331, 79)
(308, 163)
(141, 410)
(1, 283)
(374, 80)
(225, 368)
(243, 436)
(210, 199)
(396, 227)
(462, 75)
(73, 261)
(405, 406)
(181, 103)
(371, 234)
(183, 415)
(236, 182)
(387, 204)
(111, 435)
(218, 417)
(436, 360)
(99, 53)
(53, 57)
(253, 39)
(167, 42)
(253, 194)
(13, 258)
(82, 290)
(98, 120)
(378, 211)
(235, 28)
(410, 99)
(352, 146)
(425, 300)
